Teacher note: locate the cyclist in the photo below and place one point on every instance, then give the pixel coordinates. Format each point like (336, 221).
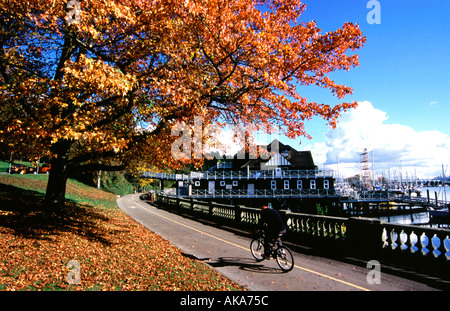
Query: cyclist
(273, 225)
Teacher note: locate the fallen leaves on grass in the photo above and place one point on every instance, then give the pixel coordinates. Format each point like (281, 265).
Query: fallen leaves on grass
(113, 251)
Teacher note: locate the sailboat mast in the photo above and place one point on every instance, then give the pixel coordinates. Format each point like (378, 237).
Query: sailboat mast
(443, 182)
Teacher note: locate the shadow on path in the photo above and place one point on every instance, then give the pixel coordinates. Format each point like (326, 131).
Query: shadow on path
(246, 264)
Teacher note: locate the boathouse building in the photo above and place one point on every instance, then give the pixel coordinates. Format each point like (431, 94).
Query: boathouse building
(279, 175)
(284, 172)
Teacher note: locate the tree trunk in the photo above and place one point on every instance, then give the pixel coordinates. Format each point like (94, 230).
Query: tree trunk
(56, 187)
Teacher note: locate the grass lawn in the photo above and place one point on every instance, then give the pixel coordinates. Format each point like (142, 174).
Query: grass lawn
(109, 249)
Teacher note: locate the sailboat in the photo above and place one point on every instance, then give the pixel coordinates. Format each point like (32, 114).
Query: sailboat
(441, 216)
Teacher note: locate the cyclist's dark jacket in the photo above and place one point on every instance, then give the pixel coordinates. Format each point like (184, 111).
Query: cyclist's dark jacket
(272, 218)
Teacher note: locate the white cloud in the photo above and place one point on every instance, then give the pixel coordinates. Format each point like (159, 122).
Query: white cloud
(392, 145)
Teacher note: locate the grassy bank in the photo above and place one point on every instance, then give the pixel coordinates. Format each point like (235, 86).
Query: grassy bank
(113, 182)
(113, 252)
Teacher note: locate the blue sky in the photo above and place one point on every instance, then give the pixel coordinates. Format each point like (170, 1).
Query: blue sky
(403, 82)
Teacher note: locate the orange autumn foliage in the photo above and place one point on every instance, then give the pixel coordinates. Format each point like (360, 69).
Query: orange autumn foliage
(106, 85)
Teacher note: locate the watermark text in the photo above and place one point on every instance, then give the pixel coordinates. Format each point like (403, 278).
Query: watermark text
(374, 275)
(374, 15)
(74, 275)
(190, 143)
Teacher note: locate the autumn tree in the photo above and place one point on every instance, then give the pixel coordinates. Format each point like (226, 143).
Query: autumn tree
(98, 84)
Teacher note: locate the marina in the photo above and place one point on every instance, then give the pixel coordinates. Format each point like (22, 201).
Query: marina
(423, 206)
(398, 200)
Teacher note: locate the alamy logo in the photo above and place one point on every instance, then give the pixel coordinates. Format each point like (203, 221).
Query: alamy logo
(73, 9)
(374, 275)
(190, 141)
(74, 275)
(374, 16)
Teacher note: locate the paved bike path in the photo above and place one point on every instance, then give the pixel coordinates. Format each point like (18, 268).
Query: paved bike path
(230, 255)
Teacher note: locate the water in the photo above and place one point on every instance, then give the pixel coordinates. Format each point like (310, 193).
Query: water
(420, 218)
(439, 190)
(410, 219)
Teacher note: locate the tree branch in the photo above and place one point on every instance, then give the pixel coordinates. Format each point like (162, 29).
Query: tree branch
(69, 48)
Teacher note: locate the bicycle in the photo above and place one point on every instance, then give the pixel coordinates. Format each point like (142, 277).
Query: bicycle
(279, 252)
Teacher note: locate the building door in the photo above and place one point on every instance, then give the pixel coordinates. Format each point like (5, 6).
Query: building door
(251, 189)
(211, 187)
(278, 172)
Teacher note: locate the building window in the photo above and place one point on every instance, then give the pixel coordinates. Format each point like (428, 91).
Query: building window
(312, 184)
(235, 183)
(326, 184)
(197, 183)
(222, 183)
(286, 184)
(299, 184)
(273, 184)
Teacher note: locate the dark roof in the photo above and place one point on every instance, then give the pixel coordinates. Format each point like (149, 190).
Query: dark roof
(300, 160)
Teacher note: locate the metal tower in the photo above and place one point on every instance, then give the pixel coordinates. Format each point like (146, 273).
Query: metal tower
(365, 170)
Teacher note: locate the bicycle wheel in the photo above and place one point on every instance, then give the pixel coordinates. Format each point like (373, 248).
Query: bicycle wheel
(285, 259)
(257, 249)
